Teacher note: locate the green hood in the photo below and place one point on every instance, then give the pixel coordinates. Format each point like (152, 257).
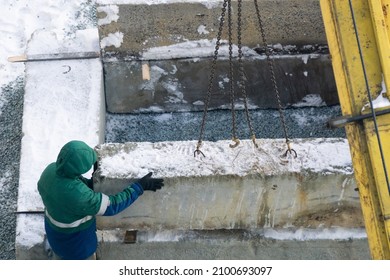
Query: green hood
(74, 159)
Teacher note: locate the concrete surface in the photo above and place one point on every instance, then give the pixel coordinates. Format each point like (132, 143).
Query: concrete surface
(230, 202)
(144, 26)
(182, 84)
(234, 245)
(237, 188)
(134, 36)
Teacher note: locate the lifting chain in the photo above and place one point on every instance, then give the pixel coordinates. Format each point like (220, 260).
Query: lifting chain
(274, 84)
(241, 83)
(211, 78)
(242, 73)
(242, 77)
(231, 77)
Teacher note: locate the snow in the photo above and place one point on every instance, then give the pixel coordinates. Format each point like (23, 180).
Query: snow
(310, 100)
(62, 106)
(111, 12)
(113, 39)
(176, 159)
(381, 100)
(198, 48)
(202, 30)
(208, 3)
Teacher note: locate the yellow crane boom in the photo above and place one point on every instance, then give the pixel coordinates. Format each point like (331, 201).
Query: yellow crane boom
(358, 37)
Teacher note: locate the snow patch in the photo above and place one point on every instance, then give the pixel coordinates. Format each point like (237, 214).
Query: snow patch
(381, 101)
(113, 39)
(198, 49)
(310, 100)
(305, 58)
(111, 12)
(202, 30)
(303, 234)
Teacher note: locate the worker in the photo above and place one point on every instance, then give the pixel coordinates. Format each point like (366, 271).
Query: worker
(71, 204)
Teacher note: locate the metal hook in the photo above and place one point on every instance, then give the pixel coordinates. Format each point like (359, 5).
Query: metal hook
(198, 151)
(236, 143)
(291, 151)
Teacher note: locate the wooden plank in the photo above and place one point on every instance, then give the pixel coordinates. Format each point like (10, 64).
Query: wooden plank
(54, 56)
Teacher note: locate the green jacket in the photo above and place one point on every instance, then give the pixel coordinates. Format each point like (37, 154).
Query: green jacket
(70, 204)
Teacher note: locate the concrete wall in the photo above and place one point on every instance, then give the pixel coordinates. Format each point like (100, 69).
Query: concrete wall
(233, 202)
(170, 38)
(144, 26)
(231, 245)
(182, 85)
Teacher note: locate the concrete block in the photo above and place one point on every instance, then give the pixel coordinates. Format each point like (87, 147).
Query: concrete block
(182, 84)
(234, 245)
(242, 203)
(176, 41)
(138, 27)
(242, 188)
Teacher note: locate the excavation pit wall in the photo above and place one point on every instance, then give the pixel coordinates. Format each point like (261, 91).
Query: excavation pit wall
(245, 198)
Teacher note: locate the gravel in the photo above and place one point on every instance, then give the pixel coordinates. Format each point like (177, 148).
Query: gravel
(301, 123)
(11, 112)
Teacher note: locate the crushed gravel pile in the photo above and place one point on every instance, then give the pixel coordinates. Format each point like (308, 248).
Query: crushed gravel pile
(11, 103)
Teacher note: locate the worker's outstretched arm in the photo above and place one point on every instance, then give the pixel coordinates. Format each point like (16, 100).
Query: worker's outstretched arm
(119, 202)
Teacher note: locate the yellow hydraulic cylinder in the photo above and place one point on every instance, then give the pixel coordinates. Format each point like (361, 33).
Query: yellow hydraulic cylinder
(358, 37)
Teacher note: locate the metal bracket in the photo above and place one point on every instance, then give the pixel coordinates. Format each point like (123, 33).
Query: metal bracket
(344, 120)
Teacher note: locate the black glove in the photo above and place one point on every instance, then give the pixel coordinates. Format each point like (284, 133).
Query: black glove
(150, 184)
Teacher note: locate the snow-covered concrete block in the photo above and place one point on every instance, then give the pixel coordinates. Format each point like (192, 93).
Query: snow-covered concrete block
(241, 188)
